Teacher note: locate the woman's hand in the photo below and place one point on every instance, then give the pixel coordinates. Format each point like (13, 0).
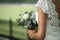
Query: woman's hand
(31, 33)
(34, 35)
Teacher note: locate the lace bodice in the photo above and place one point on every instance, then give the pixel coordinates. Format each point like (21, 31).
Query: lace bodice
(53, 30)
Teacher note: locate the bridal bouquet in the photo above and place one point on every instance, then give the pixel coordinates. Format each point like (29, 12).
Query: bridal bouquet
(28, 20)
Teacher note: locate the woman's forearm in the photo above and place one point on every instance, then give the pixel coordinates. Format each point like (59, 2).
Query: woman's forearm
(42, 22)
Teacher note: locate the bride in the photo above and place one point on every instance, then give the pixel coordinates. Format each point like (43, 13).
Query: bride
(48, 22)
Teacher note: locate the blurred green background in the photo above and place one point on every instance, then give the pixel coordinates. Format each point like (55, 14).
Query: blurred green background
(12, 8)
(18, 1)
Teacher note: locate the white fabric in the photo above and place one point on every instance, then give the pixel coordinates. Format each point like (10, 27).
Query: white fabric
(46, 5)
(52, 22)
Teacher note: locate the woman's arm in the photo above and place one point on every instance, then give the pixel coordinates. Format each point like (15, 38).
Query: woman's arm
(42, 21)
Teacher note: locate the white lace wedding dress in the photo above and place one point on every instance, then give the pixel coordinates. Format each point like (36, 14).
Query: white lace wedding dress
(53, 30)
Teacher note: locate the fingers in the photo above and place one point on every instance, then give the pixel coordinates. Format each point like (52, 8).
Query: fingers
(31, 31)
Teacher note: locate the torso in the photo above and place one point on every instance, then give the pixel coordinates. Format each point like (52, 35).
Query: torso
(53, 29)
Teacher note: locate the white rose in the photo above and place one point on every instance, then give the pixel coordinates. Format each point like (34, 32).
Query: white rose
(25, 16)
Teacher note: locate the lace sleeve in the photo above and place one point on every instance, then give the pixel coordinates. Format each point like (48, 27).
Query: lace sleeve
(46, 5)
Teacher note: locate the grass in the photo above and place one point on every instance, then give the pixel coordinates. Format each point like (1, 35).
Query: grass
(13, 11)
(18, 31)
